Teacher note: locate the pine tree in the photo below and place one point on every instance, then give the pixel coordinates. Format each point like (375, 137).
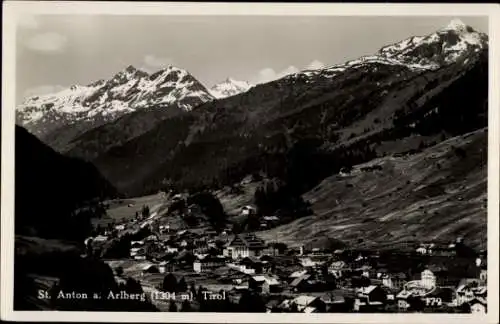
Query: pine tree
(182, 285)
(293, 308)
(192, 289)
(186, 306)
(172, 307)
(169, 283)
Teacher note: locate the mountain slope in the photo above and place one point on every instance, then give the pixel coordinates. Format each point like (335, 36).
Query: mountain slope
(228, 88)
(437, 194)
(308, 125)
(455, 42)
(50, 187)
(58, 118)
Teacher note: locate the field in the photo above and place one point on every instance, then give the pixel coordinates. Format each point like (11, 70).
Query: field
(125, 209)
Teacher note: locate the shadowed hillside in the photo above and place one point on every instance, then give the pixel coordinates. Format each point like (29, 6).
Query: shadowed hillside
(49, 188)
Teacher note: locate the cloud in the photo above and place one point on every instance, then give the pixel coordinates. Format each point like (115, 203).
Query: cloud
(153, 63)
(27, 22)
(42, 90)
(315, 65)
(46, 42)
(268, 74)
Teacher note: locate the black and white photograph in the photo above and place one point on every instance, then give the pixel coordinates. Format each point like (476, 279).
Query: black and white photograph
(335, 164)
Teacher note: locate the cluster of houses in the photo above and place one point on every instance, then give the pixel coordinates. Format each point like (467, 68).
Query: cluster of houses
(309, 281)
(313, 279)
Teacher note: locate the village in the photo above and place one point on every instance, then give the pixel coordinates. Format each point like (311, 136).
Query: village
(201, 269)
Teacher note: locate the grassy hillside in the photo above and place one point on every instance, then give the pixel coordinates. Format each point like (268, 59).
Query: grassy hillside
(437, 194)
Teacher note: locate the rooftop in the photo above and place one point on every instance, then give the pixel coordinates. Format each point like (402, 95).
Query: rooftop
(248, 240)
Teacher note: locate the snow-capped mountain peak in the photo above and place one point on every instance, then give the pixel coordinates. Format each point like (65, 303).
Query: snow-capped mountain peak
(447, 45)
(454, 43)
(129, 90)
(457, 25)
(229, 87)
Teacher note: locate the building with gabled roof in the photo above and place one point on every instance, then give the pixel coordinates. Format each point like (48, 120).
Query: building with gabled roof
(304, 302)
(245, 245)
(478, 305)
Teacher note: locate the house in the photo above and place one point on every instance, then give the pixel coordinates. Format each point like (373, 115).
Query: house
(308, 262)
(428, 279)
(252, 263)
(164, 229)
(165, 267)
(310, 309)
(241, 268)
(468, 289)
(365, 271)
(271, 285)
(248, 210)
(171, 249)
(338, 269)
(402, 299)
(100, 238)
(272, 306)
(301, 283)
(138, 251)
(304, 302)
(150, 268)
(372, 294)
(264, 284)
(296, 274)
(244, 245)
(177, 197)
(119, 227)
(271, 218)
(426, 248)
(210, 233)
(478, 305)
(421, 250)
(483, 275)
(362, 305)
(208, 264)
(394, 281)
(335, 301)
(136, 243)
(308, 283)
(274, 249)
(151, 238)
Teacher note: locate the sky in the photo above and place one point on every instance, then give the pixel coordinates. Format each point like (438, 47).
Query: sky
(54, 52)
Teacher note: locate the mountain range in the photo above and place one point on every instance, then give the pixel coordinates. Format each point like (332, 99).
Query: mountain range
(61, 117)
(146, 133)
(229, 87)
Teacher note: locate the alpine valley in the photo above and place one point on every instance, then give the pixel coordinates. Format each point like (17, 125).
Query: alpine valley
(386, 147)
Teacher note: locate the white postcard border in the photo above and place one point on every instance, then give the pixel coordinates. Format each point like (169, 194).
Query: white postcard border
(13, 9)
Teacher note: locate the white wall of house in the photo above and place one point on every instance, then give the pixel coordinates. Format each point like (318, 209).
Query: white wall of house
(478, 308)
(387, 281)
(428, 279)
(197, 267)
(205, 266)
(236, 252)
